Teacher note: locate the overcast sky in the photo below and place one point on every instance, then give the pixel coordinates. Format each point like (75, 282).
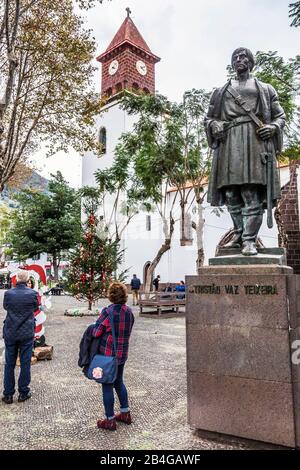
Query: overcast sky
(194, 38)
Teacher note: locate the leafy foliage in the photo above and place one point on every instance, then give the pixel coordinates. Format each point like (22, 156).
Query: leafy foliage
(120, 197)
(166, 149)
(294, 12)
(45, 62)
(5, 222)
(283, 76)
(167, 142)
(45, 223)
(95, 260)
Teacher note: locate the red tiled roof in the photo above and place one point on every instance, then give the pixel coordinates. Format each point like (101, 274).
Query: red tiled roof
(128, 32)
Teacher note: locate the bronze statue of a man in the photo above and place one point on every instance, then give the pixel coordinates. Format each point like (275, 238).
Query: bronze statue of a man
(244, 126)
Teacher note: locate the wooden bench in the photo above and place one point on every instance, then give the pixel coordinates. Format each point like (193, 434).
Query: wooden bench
(158, 300)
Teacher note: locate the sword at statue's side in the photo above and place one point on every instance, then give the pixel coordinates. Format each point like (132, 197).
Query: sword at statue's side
(269, 155)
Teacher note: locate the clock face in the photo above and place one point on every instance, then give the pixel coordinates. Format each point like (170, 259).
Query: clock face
(113, 67)
(141, 67)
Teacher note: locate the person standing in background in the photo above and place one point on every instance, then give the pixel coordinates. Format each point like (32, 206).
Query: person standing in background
(135, 287)
(18, 332)
(156, 282)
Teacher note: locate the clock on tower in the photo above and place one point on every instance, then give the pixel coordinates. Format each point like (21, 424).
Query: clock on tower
(127, 63)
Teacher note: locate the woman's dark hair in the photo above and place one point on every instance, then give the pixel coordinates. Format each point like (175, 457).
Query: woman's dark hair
(30, 281)
(248, 53)
(117, 293)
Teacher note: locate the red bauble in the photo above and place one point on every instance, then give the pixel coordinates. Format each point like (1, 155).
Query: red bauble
(92, 219)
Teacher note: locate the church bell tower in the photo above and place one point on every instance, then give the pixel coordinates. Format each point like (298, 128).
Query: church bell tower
(128, 66)
(127, 63)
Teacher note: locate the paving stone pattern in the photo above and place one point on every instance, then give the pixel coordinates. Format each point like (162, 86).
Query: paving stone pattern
(63, 410)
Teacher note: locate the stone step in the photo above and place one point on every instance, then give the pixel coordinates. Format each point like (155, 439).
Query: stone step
(221, 251)
(233, 256)
(247, 260)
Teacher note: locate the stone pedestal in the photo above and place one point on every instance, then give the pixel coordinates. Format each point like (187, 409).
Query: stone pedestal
(242, 330)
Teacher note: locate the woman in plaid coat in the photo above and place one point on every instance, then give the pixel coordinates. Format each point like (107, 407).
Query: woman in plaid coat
(123, 322)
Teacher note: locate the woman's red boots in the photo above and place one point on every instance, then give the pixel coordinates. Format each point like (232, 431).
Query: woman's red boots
(124, 417)
(109, 424)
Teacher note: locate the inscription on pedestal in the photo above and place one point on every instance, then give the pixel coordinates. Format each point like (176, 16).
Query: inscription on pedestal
(234, 289)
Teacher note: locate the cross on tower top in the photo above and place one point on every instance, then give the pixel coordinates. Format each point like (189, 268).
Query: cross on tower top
(128, 11)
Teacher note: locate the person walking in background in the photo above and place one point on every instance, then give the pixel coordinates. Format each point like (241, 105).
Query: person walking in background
(156, 282)
(180, 288)
(18, 333)
(123, 322)
(135, 287)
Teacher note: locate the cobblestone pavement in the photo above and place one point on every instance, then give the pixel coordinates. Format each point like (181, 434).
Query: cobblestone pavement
(64, 407)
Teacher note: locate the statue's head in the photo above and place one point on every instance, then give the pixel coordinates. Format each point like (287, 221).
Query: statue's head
(242, 59)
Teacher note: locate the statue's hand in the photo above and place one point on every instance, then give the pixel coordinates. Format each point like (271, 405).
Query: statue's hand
(217, 128)
(267, 131)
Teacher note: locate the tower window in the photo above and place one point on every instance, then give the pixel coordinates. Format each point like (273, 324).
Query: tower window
(102, 139)
(108, 92)
(118, 87)
(135, 87)
(146, 91)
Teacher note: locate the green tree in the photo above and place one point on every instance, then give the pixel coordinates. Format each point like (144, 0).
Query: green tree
(5, 223)
(46, 72)
(167, 149)
(46, 223)
(294, 12)
(95, 260)
(119, 197)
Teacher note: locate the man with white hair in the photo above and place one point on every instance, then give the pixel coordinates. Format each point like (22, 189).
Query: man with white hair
(18, 333)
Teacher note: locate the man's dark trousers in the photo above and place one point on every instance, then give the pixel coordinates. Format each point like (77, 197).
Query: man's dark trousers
(11, 354)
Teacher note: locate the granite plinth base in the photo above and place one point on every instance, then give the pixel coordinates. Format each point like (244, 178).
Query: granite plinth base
(222, 251)
(242, 331)
(233, 256)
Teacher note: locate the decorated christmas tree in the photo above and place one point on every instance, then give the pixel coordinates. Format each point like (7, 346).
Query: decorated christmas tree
(94, 262)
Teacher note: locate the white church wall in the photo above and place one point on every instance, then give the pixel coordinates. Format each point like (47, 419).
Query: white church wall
(116, 121)
(141, 245)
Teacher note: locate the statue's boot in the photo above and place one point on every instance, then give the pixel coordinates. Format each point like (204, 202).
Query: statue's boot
(249, 248)
(252, 222)
(237, 218)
